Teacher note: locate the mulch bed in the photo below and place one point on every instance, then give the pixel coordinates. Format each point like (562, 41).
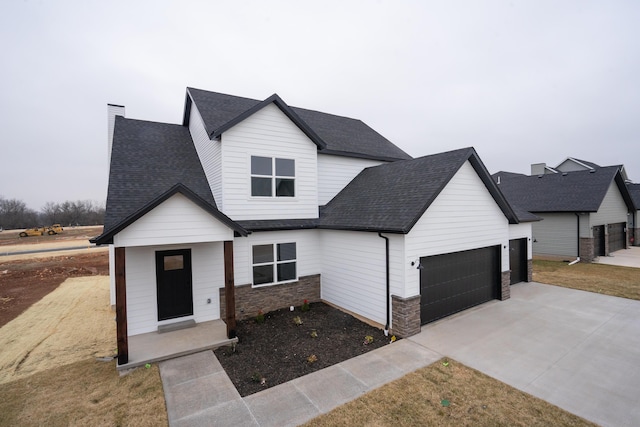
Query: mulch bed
(25, 282)
(278, 350)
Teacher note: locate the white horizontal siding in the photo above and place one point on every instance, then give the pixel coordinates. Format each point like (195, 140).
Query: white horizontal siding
(556, 234)
(176, 220)
(209, 153)
(268, 133)
(335, 172)
(520, 231)
(612, 210)
(207, 277)
(464, 216)
(307, 252)
(353, 272)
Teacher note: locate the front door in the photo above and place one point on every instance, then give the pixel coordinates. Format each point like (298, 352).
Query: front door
(173, 279)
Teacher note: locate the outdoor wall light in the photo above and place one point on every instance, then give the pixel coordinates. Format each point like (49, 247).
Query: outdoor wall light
(419, 266)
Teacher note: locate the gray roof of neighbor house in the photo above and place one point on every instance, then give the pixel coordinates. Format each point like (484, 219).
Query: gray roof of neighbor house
(393, 196)
(634, 191)
(579, 191)
(332, 134)
(149, 163)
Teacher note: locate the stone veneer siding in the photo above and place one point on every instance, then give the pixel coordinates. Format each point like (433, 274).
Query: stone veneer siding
(405, 316)
(250, 300)
(586, 249)
(635, 233)
(506, 286)
(530, 270)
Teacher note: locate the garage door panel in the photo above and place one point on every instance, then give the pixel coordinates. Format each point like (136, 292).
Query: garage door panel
(617, 236)
(453, 282)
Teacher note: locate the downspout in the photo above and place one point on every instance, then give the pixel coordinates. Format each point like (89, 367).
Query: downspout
(577, 259)
(386, 326)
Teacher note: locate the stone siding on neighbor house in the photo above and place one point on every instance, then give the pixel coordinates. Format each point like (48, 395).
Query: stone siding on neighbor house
(530, 270)
(586, 249)
(405, 316)
(635, 233)
(506, 286)
(250, 300)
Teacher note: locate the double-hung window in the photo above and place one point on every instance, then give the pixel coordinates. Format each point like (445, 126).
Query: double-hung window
(272, 176)
(274, 263)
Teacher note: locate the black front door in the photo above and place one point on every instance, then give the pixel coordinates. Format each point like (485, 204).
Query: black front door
(173, 277)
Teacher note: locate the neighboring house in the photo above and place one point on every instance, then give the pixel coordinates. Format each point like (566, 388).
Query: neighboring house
(634, 226)
(255, 205)
(584, 209)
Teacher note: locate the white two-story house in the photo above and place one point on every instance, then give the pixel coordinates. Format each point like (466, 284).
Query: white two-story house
(254, 205)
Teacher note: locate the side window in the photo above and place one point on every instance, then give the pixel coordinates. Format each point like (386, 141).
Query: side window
(272, 177)
(274, 263)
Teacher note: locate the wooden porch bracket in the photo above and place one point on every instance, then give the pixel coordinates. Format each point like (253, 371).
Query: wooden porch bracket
(229, 290)
(121, 307)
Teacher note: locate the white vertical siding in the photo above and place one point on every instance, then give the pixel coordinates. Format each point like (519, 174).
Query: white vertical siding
(112, 112)
(464, 216)
(353, 272)
(209, 153)
(556, 234)
(520, 231)
(307, 252)
(268, 133)
(613, 208)
(176, 220)
(335, 172)
(207, 277)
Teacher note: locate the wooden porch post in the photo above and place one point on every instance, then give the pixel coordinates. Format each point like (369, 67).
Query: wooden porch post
(229, 289)
(121, 307)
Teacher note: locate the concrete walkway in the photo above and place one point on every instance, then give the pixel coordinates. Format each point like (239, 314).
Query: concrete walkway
(198, 392)
(575, 349)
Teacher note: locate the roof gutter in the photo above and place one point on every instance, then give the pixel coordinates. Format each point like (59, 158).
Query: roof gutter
(386, 326)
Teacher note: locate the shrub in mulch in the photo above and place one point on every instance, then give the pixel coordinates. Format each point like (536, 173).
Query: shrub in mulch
(288, 345)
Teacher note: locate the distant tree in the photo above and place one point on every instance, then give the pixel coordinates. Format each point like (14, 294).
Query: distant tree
(14, 213)
(50, 213)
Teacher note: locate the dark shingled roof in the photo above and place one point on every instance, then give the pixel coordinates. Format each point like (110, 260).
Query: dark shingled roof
(149, 162)
(579, 191)
(393, 196)
(278, 224)
(335, 134)
(634, 191)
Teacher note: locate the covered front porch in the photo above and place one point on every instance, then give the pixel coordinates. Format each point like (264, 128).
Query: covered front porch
(154, 347)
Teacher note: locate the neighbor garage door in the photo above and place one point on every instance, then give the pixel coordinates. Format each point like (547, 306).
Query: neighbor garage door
(453, 282)
(617, 236)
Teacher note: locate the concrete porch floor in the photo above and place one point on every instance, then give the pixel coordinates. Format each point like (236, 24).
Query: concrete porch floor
(154, 347)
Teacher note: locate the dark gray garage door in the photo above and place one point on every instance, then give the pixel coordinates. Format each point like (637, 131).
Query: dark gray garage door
(518, 260)
(453, 282)
(617, 236)
(598, 240)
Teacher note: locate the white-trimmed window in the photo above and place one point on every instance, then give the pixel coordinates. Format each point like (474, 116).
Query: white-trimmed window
(272, 176)
(274, 263)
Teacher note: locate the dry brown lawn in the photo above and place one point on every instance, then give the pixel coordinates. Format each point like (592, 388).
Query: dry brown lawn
(49, 372)
(86, 393)
(600, 278)
(451, 395)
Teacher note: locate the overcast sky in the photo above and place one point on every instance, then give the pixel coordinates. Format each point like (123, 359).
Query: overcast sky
(521, 81)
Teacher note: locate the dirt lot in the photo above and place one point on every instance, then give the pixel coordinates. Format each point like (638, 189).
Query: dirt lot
(25, 281)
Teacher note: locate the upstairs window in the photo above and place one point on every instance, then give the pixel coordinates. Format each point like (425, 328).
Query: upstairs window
(274, 263)
(272, 176)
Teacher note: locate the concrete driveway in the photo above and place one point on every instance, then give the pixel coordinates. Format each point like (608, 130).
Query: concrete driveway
(575, 349)
(624, 257)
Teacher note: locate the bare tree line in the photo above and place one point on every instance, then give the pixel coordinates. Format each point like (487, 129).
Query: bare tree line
(14, 213)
